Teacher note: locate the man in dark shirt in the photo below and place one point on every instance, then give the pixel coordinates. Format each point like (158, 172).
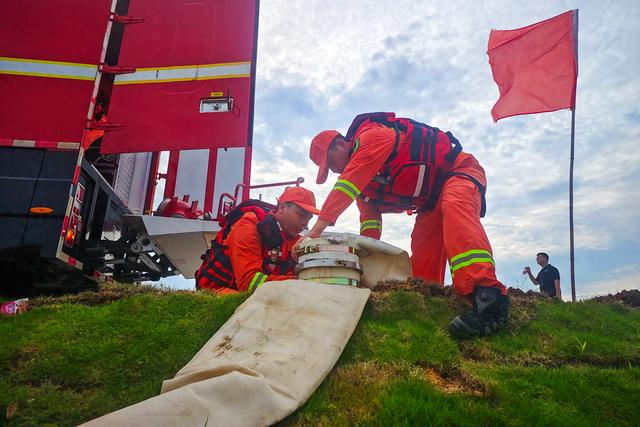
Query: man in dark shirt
(548, 278)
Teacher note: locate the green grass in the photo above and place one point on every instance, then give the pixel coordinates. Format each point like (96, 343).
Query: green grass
(64, 364)
(534, 373)
(556, 364)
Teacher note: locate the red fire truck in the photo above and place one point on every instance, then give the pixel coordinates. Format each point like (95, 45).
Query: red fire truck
(91, 94)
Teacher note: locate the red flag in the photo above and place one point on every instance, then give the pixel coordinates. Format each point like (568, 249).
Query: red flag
(535, 67)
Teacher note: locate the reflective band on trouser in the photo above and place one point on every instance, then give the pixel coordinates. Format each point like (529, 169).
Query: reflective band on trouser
(257, 281)
(470, 257)
(347, 188)
(229, 70)
(54, 69)
(370, 224)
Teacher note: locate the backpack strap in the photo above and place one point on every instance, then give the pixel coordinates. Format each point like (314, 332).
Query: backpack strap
(270, 233)
(457, 148)
(394, 152)
(379, 117)
(416, 141)
(258, 207)
(481, 188)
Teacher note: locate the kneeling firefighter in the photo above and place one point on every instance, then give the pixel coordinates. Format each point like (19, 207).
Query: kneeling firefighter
(390, 164)
(254, 243)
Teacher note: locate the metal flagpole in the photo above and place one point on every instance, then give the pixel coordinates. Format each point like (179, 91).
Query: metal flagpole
(573, 135)
(571, 252)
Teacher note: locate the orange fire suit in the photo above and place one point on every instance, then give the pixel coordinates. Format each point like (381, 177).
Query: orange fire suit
(451, 231)
(247, 256)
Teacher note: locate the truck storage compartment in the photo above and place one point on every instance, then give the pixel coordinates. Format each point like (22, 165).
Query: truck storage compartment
(34, 178)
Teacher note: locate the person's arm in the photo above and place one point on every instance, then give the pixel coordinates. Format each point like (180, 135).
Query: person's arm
(245, 251)
(534, 280)
(556, 282)
(317, 229)
(376, 144)
(558, 292)
(370, 219)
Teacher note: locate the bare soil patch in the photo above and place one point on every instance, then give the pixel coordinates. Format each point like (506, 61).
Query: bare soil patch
(630, 298)
(106, 293)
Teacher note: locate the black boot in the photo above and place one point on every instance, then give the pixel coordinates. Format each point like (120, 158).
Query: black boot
(490, 313)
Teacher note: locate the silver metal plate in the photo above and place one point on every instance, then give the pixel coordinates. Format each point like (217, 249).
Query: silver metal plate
(328, 263)
(342, 256)
(216, 105)
(181, 240)
(337, 281)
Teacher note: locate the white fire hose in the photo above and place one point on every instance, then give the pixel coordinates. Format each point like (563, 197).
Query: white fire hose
(278, 346)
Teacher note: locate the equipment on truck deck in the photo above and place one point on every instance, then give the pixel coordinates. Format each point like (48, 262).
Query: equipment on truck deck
(180, 208)
(180, 240)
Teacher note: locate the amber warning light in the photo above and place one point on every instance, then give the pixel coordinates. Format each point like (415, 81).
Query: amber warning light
(70, 237)
(40, 210)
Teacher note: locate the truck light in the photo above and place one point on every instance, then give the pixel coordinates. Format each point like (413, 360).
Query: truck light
(75, 219)
(72, 230)
(40, 210)
(70, 237)
(217, 103)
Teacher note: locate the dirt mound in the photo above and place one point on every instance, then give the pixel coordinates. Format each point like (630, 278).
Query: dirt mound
(415, 285)
(630, 298)
(529, 295)
(106, 293)
(433, 289)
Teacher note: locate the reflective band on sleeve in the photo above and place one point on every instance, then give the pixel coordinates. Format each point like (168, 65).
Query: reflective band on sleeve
(257, 281)
(467, 258)
(370, 224)
(53, 69)
(345, 191)
(228, 70)
(350, 185)
(347, 188)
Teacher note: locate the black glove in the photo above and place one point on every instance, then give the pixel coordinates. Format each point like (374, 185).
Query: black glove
(270, 233)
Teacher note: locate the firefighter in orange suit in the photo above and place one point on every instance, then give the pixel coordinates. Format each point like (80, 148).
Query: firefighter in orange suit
(389, 164)
(255, 242)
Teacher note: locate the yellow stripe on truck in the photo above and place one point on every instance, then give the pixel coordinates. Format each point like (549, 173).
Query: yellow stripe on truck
(51, 69)
(230, 70)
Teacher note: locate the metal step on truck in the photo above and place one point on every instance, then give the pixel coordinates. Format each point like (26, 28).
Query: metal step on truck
(96, 98)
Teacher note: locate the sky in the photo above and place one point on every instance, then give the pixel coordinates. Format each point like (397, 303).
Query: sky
(320, 63)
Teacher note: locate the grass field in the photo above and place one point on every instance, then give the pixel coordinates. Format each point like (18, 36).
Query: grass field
(74, 358)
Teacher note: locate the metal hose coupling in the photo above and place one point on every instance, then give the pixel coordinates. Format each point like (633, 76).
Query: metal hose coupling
(328, 262)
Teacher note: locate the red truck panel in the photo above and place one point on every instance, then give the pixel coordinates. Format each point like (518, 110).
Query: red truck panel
(49, 53)
(173, 51)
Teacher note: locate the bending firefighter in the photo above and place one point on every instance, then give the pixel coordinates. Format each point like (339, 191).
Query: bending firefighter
(254, 243)
(389, 164)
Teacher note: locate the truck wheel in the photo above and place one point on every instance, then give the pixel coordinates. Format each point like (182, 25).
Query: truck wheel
(16, 282)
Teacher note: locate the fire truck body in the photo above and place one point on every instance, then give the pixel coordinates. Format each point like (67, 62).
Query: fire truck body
(90, 94)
